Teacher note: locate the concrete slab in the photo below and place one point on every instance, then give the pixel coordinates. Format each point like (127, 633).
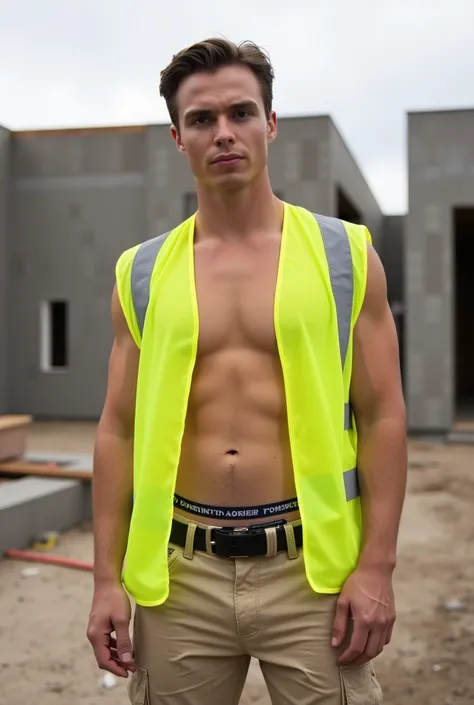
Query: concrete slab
(461, 437)
(31, 505)
(73, 461)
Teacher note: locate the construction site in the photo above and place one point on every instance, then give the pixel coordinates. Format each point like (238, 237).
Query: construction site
(70, 202)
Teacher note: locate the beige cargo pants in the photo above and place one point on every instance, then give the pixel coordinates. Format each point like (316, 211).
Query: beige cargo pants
(195, 649)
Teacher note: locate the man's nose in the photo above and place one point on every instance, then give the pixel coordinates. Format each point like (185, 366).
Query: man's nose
(224, 133)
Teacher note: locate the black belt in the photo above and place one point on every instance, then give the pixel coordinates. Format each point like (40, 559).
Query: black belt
(236, 542)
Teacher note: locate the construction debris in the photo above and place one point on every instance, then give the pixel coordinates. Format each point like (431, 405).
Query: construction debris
(30, 572)
(109, 681)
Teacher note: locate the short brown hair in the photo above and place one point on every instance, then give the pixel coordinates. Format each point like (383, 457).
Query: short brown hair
(210, 55)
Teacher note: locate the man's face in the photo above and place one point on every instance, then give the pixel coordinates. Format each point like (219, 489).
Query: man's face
(223, 128)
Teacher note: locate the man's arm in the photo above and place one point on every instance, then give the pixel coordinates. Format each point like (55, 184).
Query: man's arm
(112, 489)
(379, 409)
(113, 457)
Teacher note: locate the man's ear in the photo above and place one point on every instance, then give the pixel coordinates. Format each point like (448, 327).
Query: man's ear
(272, 126)
(177, 139)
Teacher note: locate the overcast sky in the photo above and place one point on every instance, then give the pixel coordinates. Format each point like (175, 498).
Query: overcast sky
(70, 63)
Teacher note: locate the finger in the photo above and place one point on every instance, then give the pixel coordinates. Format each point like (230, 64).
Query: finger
(356, 646)
(115, 657)
(341, 620)
(123, 643)
(372, 649)
(383, 640)
(388, 636)
(113, 666)
(105, 660)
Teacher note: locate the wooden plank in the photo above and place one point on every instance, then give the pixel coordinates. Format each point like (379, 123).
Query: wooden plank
(14, 421)
(19, 467)
(66, 131)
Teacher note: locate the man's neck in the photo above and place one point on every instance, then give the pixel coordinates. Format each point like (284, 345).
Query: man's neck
(238, 214)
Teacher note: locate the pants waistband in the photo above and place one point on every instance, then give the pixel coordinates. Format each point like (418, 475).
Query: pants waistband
(261, 511)
(187, 520)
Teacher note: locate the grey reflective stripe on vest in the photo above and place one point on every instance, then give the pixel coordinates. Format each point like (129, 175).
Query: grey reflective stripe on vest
(339, 258)
(347, 417)
(351, 484)
(341, 273)
(142, 269)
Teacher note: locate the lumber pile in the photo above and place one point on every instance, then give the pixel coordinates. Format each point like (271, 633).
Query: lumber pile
(14, 463)
(13, 430)
(21, 468)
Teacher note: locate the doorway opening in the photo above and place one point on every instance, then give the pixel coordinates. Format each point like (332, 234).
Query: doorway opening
(346, 210)
(463, 318)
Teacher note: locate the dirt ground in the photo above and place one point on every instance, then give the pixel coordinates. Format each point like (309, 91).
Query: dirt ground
(45, 658)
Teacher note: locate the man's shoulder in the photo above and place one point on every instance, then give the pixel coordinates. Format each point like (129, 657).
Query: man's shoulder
(328, 226)
(313, 218)
(151, 246)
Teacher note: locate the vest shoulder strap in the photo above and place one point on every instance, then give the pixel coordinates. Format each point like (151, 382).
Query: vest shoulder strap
(142, 270)
(339, 259)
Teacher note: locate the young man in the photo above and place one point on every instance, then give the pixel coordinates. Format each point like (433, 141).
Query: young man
(254, 419)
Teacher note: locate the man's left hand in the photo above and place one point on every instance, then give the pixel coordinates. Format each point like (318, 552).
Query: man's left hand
(366, 598)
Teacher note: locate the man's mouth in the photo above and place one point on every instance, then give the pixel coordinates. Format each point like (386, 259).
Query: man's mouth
(227, 159)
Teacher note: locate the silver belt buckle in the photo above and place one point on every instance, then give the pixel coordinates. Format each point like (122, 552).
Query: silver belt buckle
(236, 531)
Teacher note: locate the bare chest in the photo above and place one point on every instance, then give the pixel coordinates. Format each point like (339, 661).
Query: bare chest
(235, 287)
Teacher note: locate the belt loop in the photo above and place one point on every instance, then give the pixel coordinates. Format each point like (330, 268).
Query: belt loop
(291, 541)
(189, 545)
(271, 534)
(208, 540)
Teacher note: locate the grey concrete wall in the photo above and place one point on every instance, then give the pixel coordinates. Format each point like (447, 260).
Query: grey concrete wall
(4, 203)
(299, 162)
(168, 181)
(441, 176)
(78, 200)
(347, 174)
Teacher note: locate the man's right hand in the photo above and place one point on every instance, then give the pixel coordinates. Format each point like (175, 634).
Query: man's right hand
(111, 613)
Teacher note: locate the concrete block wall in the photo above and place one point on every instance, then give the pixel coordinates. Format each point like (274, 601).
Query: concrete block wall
(168, 181)
(299, 162)
(441, 177)
(78, 200)
(4, 203)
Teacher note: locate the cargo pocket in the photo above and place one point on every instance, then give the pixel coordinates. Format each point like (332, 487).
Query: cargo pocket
(138, 687)
(360, 686)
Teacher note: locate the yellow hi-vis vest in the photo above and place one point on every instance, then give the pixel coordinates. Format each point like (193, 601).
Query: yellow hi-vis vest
(319, 293)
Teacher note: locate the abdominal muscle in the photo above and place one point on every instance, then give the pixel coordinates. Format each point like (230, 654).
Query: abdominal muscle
(235, 450)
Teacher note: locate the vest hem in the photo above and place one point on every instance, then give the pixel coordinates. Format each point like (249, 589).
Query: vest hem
(149, 603)
(323, 590)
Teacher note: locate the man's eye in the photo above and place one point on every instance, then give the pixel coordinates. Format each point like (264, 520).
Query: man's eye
(241, 114)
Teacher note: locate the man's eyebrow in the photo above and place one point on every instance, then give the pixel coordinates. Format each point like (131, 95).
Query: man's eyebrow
(244, 104)
(198, 112)
(205, 112)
